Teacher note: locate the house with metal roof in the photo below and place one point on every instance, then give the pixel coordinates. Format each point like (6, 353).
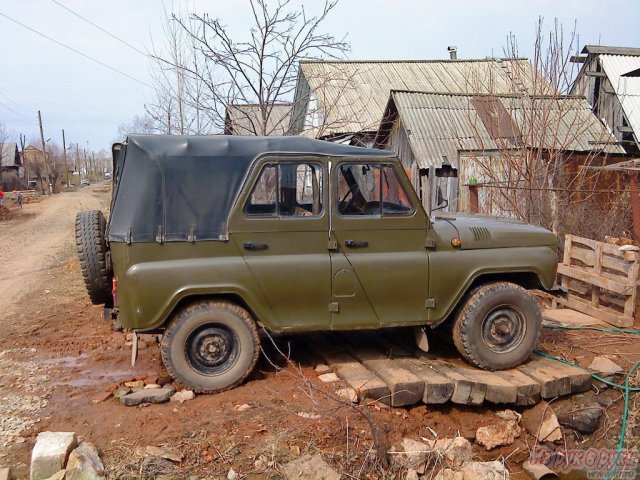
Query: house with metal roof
(252, 119)
(610, 80)
(345, 100)
(450, 141)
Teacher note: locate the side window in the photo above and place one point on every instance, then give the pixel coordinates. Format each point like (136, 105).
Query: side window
(287, 190)
(394, 197)
(364, 188)
(263, 197)
(359, 189)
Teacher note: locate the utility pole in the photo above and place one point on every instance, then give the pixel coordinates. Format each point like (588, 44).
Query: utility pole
(64, 149)
(44, 156)
(77, 160)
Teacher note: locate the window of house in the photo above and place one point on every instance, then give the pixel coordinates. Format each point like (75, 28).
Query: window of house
(287, 190)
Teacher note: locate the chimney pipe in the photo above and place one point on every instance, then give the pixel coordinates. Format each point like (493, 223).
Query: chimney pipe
(453, 52)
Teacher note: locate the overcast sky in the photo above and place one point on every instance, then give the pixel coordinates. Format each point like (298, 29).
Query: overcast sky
(90, 101)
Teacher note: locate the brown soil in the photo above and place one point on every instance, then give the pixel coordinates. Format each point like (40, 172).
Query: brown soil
(5, 213)
(57, 356)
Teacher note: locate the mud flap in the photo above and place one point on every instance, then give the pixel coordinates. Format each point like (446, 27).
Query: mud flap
(422, 342)
(134, 349)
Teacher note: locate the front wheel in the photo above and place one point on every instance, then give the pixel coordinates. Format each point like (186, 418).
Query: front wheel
(498, 326)
(210, 346)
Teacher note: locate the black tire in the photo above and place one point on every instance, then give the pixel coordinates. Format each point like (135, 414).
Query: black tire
(498, 326)
(210, 346)
(92, 250)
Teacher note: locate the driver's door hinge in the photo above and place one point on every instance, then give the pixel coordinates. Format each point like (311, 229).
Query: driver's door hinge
(334, 307)
(332, 245)
(430, 303)
(430, 243)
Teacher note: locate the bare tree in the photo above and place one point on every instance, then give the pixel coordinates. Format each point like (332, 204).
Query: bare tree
(217, 71)
(533, 170)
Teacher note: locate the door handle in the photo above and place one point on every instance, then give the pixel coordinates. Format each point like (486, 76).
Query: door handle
(254, 246)
(356, 243)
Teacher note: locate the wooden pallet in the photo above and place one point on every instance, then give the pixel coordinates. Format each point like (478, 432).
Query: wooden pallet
(388, 369)
(601, 280)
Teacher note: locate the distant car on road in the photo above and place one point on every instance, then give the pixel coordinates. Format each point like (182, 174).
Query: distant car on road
(84, 182)
(107, 175)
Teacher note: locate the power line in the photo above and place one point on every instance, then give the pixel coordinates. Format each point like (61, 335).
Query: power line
(75, 51)
(100, 28)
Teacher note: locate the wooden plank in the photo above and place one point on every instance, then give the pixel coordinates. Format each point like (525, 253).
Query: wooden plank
(527, 389)
(597, 267)
(406, 388)
(465, 390)
(551, 384)
(353, 373)
(602, 314)
(498, 389)
(598, 280)
(570, 317)
(585, 256)
(556, 378)
(437, 388)
(577, 286)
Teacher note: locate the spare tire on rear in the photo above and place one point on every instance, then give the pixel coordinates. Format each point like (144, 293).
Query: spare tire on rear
(92, 250)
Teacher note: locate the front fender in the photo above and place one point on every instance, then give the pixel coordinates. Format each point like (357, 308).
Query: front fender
(453, 272)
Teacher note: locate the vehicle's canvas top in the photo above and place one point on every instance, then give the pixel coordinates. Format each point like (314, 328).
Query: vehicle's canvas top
(182, 188)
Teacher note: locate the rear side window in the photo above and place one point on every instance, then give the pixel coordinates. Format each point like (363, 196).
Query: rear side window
(287, 190)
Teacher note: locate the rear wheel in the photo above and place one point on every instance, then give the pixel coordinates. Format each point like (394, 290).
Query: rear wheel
(210, 346)
(92, 252)
(498, 326)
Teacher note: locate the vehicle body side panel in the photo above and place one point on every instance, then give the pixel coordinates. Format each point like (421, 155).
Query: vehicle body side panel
(149, 289)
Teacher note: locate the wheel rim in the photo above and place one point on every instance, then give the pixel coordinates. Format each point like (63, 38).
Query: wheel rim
(503, 329)
(212, 349)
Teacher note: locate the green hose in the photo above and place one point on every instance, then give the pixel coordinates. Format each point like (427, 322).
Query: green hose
(597, 329)
(626, 387)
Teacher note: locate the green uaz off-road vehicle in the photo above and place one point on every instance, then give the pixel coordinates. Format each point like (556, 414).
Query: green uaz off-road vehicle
(211, 238)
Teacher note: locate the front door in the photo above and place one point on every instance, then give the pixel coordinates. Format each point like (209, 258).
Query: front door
(283, 234)
(381, 265)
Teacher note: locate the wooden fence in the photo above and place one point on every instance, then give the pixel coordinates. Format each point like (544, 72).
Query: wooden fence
(601, 280)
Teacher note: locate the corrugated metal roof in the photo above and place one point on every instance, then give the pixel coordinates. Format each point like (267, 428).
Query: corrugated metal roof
(247, 119)
(353, 94)
(626, 88)
(441, 124)
(8, 154)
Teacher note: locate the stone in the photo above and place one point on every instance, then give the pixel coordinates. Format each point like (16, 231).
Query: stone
(449, 474)
(58, 475)
(322, 368)
(101, 397)
(484, 470)
(183, 396)
(243, 408)
(232, 475)
(159, 395)
(501, 433)
(134, 384)
(309, 466)
(50, 453)
(582, 415)
(604, 367)
(121, 392)
(541, 422)
(411, 475)
(509, 415)
(5, 473)
(328, 377)
(162, 452)
(85, 464)
(152, 386)
(164, 380)
(454, 451)
(348, 395)
(415, 453)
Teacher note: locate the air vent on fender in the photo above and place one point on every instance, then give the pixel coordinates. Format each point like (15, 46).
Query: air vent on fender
(480, 234)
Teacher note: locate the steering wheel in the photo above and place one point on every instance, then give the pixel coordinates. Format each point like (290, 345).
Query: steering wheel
(350, 191)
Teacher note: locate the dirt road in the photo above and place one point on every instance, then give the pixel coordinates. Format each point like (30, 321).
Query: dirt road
(38, 240)
(59, 360)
